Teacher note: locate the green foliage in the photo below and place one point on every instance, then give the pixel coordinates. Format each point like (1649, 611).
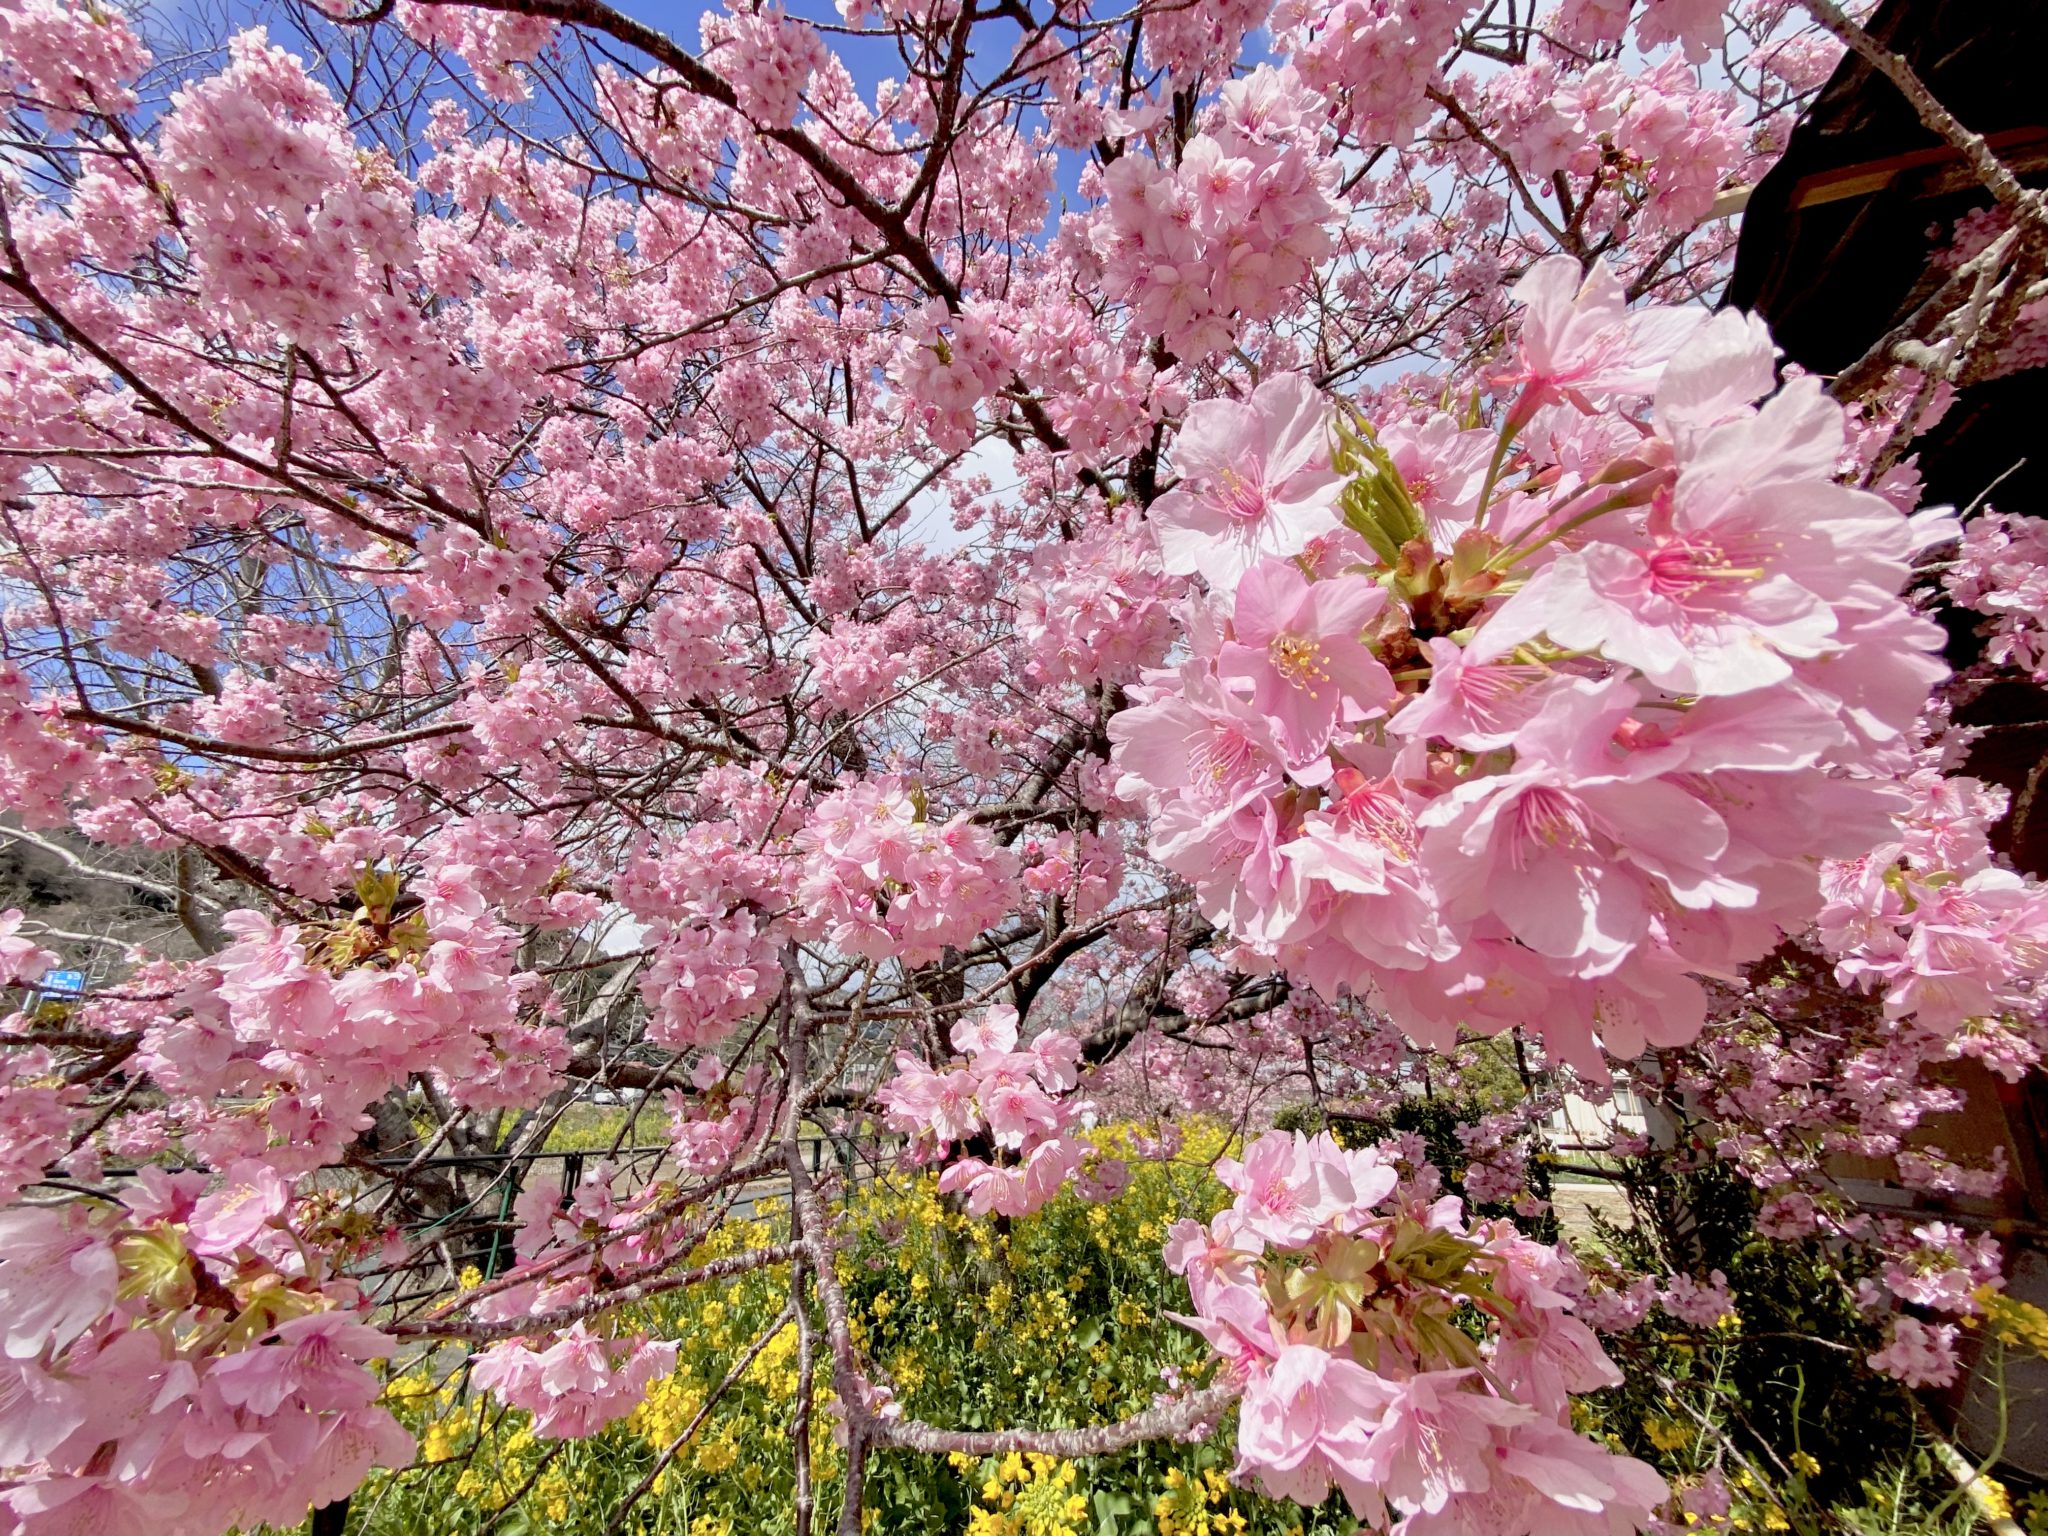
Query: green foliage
(1060, 1320)
(585, 1127)
(1054, 1320)
(1777, 1402)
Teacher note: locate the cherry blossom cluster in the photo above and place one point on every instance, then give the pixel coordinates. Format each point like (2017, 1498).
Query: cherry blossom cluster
(1529, 723)
(1927, 952)
(1331, 1288)
(1193, 40)
(1017, 1104)
(769, 58)
(153, 1342)
(22, 959)
(291, 1030)
(706, 977)
(949, 368)
(1222, 235)
(1918, 1354)
(1098, 609)
(278, 230)
(1374, 59)
(1499, 1147)
(882, 881)
(1998, 572)
(577, 1376)
(49, 64)
(41, 1107)
(1085, 870)
(702, 899)
(715, 1118)
(1952, 940)
(576, 1385)
(1657, 134)
(858, 665)
(491, 45)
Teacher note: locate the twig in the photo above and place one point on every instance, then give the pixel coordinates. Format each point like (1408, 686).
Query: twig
(640, 1489)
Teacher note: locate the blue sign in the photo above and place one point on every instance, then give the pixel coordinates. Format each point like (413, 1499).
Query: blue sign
(62, 984)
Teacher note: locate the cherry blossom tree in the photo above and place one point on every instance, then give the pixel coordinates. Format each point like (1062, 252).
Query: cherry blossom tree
(580, 560)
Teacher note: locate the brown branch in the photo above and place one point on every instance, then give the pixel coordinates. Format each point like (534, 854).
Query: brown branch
(1179, 1418)
(85, 715)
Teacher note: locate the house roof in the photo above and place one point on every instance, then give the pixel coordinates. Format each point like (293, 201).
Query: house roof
(1838, 240)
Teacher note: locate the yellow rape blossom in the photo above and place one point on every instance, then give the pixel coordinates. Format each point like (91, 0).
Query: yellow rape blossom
(719, 1453)
(2015, 1322)
(1666, 1434)
(552, 1493)
(1189, 1506)
(1031, 1495)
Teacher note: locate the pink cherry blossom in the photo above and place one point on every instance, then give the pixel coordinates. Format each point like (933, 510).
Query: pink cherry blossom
(1297, 644)
(1701, 1305)
(1288, 1186)
(21, 960)
(920, 1100)
(1578, 339)
(1918, 1354)
(992, 1031)
(1435, 1440)
(1475, 699)
(1015, 1111)
(578, 1384)
(1255, 482)
(318, 1358)
(1544, 1478)
(57, 1277)
(1307, 1422)
(233, 1216)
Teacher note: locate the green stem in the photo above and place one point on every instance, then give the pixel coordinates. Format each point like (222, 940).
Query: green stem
(1500, 457)
(1969, 1479)
(1510, 557)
